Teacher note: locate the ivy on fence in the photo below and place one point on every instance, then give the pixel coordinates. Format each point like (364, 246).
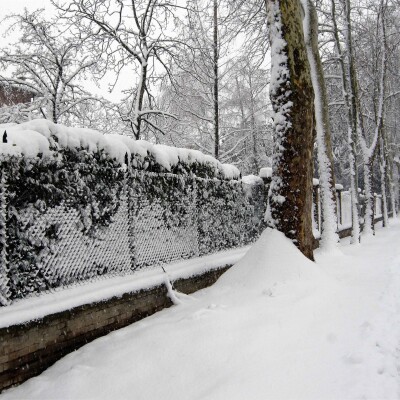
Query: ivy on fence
(77, 215)
(89, 183)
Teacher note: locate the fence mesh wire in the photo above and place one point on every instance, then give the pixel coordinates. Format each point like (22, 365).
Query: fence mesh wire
(201, 217)
(157, 238)
(75, 256)
(162, 217)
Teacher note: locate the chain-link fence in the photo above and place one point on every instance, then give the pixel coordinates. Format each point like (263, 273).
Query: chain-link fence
(161, 217)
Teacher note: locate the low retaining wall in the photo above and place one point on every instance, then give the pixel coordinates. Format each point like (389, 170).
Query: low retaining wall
(28, 349)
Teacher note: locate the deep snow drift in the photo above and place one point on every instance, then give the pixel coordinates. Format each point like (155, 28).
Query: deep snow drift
(275, 326)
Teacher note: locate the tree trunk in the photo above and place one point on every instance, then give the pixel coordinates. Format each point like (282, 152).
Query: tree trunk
(253, 127)
(369, 153)
(369, 197)
(351, 123)
(383, 171)
(216, 83)
(329, 237)
(292, 97)
(137, 122)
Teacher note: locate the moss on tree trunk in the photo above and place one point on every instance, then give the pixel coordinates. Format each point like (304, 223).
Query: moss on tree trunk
(290, 197)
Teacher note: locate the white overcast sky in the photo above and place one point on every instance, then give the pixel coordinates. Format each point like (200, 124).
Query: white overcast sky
(11, 6)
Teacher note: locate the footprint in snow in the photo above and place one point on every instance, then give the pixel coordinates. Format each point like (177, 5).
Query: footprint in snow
(331, 338)
(365, 329)
(205, 311)
(381, 370)
(353, 359)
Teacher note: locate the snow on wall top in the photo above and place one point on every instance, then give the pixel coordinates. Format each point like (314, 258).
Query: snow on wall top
(265, 172)
(31, 138)
(252, 180)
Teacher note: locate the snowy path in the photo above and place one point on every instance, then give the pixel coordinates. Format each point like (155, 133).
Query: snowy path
(275, 326)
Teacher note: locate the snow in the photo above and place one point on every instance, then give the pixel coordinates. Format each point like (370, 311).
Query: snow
(346, 209)
(275, 326)
(32, 138)
(265, 172)
(252, 180)
(338, 186)
(27, 142)
(315, 182)
(32, 308)
(7, 149)
(229, 171)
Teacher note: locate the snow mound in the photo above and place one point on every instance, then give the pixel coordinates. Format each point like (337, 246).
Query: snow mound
(229, 171)
(252, 180)
(273, 259)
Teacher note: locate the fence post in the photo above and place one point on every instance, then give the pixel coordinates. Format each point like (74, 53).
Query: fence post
(131, 199)
(339, 189)
(4, 280)
(317, 205)
(196, 214)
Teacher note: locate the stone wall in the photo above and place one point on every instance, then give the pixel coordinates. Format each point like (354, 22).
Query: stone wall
(28, 349)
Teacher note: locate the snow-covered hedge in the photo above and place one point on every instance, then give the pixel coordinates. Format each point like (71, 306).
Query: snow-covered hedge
(44, 139)
(45, 167)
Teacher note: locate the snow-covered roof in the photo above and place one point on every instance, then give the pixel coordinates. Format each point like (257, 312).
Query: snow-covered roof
(31, 138)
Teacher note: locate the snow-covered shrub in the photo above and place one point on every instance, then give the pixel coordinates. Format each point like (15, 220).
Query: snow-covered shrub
(46, 167)
(88, 182)
(229, 214)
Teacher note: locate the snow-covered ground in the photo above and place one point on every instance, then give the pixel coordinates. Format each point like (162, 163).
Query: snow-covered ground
(275, 326)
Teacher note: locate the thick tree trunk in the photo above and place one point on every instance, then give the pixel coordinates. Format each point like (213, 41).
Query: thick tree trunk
(292, 96)
(329, 237)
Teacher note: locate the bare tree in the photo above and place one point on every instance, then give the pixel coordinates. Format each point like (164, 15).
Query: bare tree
(48, 62)
(205, 38)
(128, 34)
(247, 140)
